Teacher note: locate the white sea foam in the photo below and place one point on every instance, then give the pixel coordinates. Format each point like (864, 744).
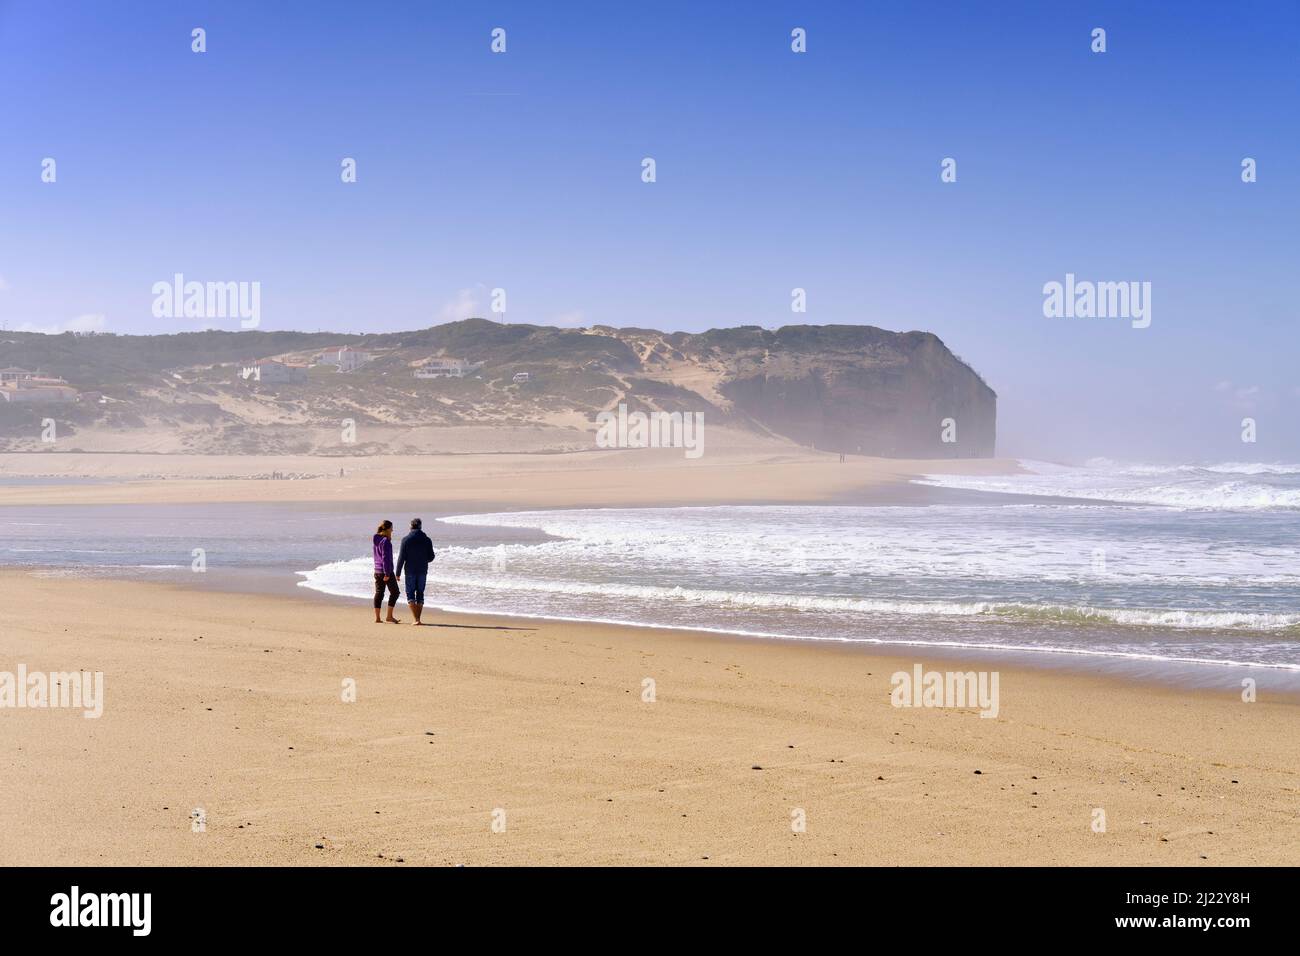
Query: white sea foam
(967, 645)
(1230, 486)
(1127, 582)
(942, 543)
(350, 579)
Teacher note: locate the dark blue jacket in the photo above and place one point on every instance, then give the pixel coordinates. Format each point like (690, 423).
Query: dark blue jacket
(416, 552)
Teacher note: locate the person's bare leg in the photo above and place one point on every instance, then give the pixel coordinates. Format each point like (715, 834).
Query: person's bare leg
(377, 618)
(390, 619)
(416, 609)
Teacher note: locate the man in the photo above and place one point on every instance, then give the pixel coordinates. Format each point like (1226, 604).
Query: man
(414, 555)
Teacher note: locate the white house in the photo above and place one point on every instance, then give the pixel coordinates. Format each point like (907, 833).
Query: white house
(346, 358)
(49, 390)
(273, 372)
(449, 367)
(520, 377)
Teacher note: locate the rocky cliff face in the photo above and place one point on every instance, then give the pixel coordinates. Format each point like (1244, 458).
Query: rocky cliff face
(855, 389)
(864, 390)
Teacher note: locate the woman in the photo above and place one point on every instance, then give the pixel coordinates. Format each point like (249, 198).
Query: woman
(383, 542)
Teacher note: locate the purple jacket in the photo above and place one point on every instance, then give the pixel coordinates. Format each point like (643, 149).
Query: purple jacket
(383, 555)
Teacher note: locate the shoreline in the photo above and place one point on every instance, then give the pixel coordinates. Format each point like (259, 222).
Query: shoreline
(1213, 677)
(233, 706)
(1208, 676)
(628, 479)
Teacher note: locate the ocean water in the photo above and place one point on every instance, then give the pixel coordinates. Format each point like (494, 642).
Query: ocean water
(1229, 486)
(1190, 572)
(253, 547)
(1195, 566)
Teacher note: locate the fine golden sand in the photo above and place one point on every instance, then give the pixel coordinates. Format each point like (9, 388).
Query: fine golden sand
(742, 474)
(234, 704)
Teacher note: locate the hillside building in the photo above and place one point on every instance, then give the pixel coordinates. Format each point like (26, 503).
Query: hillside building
(345, 358)
(20, 385)
(275, 373)
(447, 368)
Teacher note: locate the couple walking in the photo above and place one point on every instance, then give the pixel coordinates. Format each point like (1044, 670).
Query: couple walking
(414, 555)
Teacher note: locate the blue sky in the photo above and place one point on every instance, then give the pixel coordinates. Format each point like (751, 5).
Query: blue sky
(775, 170)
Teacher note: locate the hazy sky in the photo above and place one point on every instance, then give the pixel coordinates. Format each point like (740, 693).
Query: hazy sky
(775, 170)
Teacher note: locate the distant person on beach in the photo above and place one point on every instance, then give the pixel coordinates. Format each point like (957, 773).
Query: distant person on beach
(384, 577)
(414, 555)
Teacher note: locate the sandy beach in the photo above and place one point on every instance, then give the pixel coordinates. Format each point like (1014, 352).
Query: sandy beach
(234, 704)
(736, 472)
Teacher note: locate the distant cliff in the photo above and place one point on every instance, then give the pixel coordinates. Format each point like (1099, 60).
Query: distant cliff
(862, 389)
(854, 389)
